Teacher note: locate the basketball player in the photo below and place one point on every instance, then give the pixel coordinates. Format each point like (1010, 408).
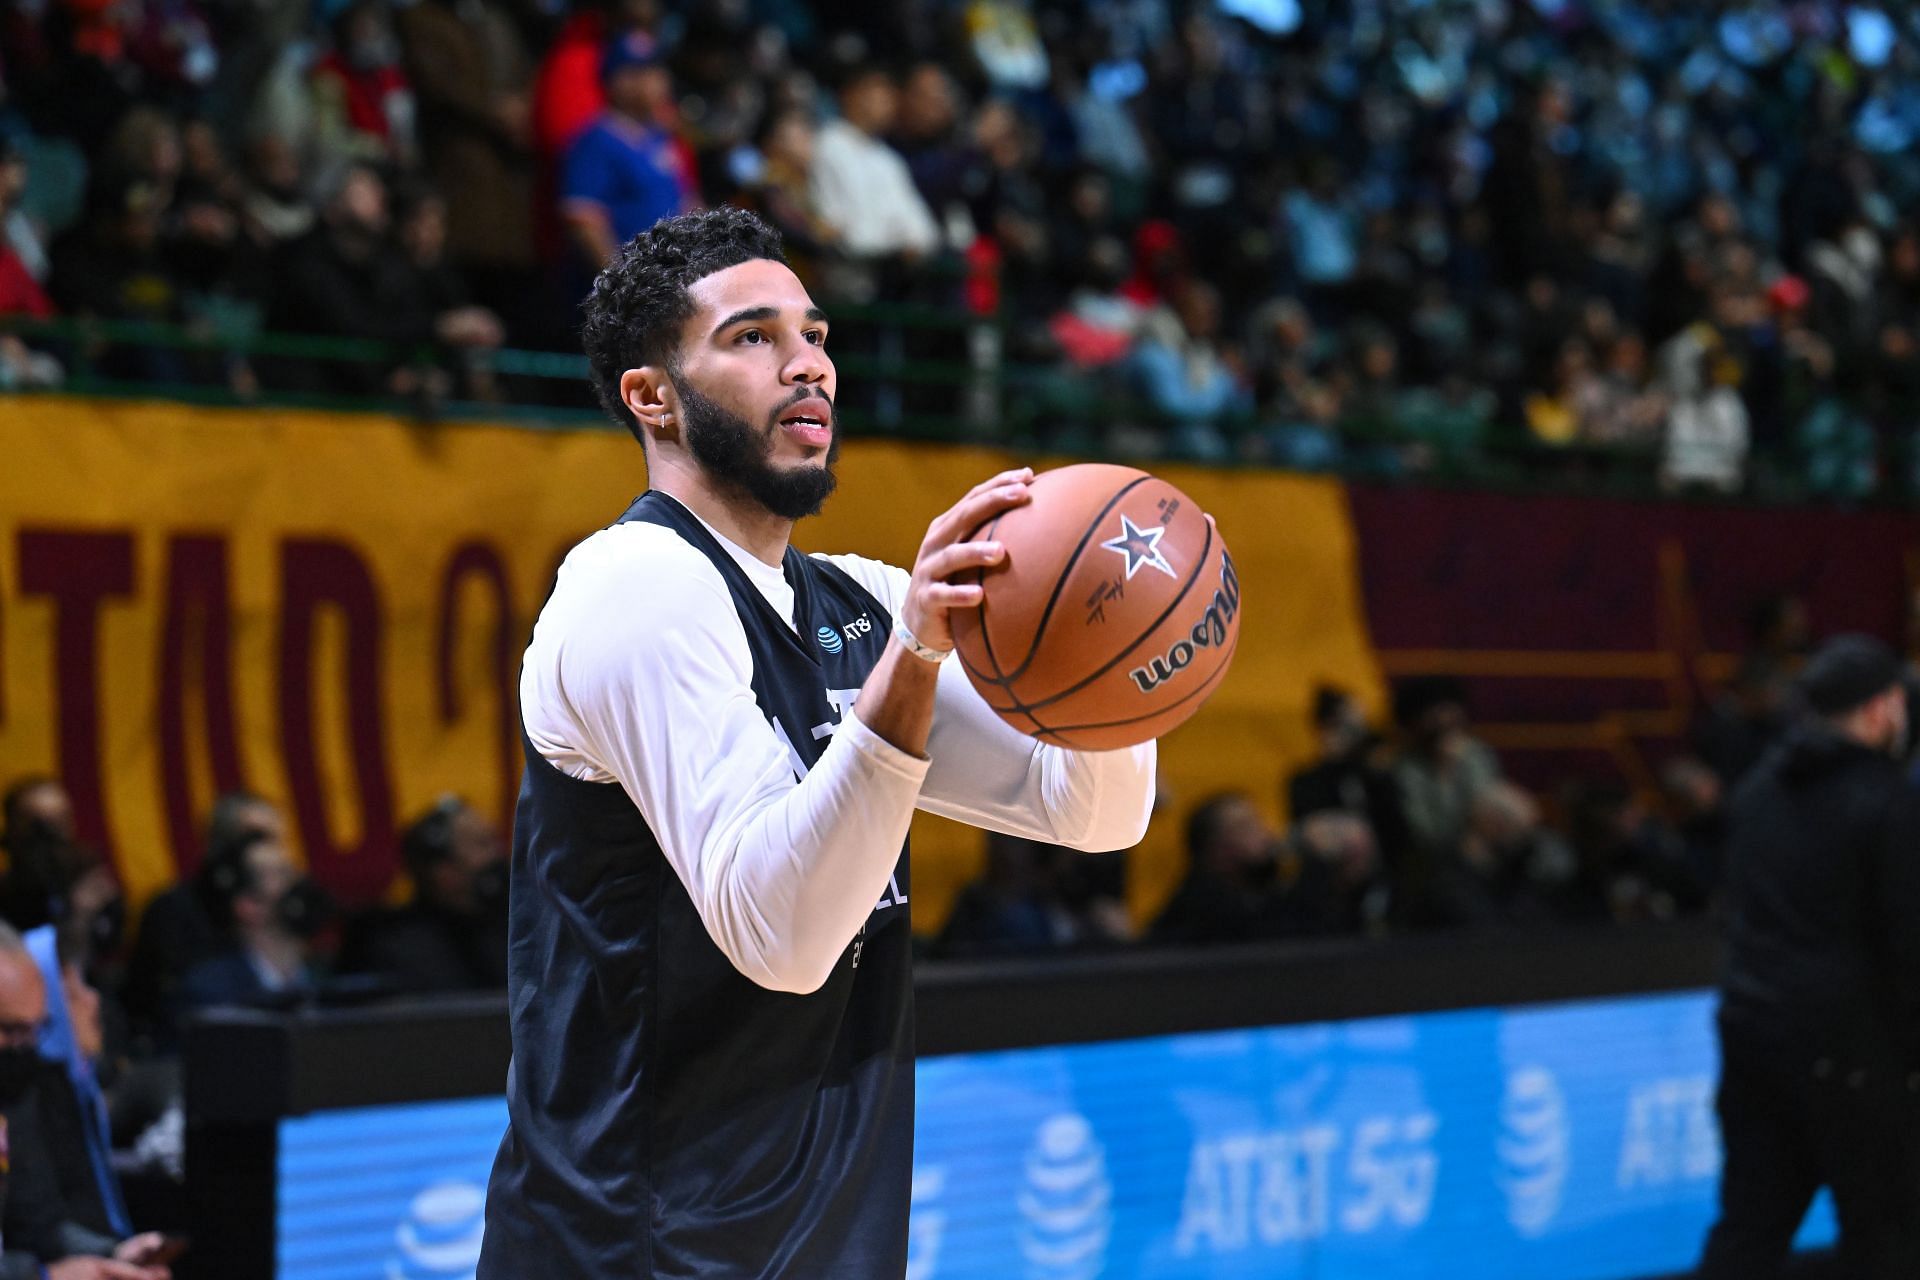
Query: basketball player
(709, 972)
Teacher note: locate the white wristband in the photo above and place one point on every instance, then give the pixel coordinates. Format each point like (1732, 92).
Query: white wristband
(911, 643)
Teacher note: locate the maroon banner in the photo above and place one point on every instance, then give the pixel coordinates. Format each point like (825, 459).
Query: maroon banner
(1588, 631)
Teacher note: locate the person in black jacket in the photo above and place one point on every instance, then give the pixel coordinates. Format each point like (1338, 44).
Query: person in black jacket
(1820, 1044)
(453, 935)
(43, 1240)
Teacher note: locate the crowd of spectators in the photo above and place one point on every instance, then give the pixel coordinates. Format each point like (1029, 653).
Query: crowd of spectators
(1388, 235)
(93, 1006)
(1418, 828)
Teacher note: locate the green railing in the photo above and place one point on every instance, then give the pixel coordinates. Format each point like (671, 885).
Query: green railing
(906, 370)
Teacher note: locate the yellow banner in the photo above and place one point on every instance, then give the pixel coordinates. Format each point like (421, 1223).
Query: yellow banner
(330, 609)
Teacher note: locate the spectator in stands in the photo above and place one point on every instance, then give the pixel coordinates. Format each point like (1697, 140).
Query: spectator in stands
(72, 1106)
(949, 174)
(1024, 903)
(178, 928)
(1707, 424)
(267, 915)
(472, 332)
(34, 806)
(22, 265)
(568, 94)
(1319, 230)
(1290, 365)
(112, 265)
(274, 208)
(624, 172)
(1187, 378)
(452, 935)
(1780, 630)
(52, 878)
(1631, 866)
(782, 190)
(1343, 885)
(861, 185)
(1696, 807)
(1350, 776)
(363, 106)
(1373, 407)
(42, 1240)
(470, 73)
(350, 279)
(1745, 719)
(1503, 872)
(1441, 768)
(1244, 882)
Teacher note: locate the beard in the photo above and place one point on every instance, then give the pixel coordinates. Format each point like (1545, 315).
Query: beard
(736, 456)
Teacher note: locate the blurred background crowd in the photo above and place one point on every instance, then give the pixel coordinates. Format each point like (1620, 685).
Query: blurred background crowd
(1387, 236)
(1409, 827)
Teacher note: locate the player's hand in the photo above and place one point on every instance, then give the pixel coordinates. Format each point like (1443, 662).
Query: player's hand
(945, 551)
(87, 1268)
(149, 1248)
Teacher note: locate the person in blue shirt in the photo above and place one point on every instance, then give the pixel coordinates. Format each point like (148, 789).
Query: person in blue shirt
(626, 172)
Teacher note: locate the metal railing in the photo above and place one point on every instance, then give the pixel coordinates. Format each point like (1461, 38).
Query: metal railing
(909, 370)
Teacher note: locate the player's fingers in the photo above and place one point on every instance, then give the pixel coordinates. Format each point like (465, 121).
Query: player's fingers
(954, 522)
(975, 510)
(1016, 475)
(954, 595)
(948, 561)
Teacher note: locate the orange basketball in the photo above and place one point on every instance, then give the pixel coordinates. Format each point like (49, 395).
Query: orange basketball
(1113, 616)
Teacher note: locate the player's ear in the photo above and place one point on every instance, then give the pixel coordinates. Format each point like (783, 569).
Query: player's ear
(649, 396)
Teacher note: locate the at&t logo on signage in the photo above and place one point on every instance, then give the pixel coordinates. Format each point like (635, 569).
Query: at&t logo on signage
(1066, 1205)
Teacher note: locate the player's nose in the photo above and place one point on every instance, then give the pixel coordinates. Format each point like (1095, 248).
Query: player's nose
(810, 366)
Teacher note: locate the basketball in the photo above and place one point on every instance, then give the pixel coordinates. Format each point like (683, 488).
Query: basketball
(1113, 616)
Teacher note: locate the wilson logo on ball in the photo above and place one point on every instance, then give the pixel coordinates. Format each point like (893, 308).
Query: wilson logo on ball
(1212, 629)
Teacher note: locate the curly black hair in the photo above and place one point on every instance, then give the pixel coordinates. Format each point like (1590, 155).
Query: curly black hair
(639, 302)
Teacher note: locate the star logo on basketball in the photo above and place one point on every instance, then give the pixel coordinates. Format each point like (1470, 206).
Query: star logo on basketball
(1140, 547)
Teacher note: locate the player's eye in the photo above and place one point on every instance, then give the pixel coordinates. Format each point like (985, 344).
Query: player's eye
(751, 337)
(818, 337)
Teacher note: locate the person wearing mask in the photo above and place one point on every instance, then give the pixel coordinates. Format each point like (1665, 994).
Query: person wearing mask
(1443, 768)
(1819, 1019)
(269, 913)
(362, 103)
(1349, 776)
(1244, 882)
(452, 936)
(177, 929)
(38, 1241)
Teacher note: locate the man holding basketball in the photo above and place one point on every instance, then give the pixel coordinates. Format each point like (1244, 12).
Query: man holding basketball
(709, 974)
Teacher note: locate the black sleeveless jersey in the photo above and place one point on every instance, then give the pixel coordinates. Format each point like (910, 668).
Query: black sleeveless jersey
(668, 1116)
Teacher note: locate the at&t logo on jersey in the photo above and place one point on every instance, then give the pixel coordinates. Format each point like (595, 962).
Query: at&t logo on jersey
(829, 639)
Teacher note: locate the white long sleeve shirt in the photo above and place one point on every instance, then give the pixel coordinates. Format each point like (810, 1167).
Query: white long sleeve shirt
(639, 675)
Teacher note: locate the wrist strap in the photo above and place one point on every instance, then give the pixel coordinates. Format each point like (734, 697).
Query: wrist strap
(911, 643)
